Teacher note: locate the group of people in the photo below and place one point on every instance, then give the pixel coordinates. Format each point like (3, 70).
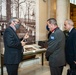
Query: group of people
(61, 47)
(59, 52)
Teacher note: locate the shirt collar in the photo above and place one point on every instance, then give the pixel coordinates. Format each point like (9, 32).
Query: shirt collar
(13, 28)
(70, 29)
(54, 29)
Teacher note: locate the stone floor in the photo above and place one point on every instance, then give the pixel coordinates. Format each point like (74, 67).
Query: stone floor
(37, 69)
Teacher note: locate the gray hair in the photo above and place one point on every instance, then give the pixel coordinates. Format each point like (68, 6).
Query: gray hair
(70, 22)
(52, 21)
(12, 19)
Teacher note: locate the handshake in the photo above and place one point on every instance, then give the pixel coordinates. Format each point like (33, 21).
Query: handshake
(24, 41)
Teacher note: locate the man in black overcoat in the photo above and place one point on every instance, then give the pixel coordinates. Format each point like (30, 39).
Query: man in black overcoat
(70, 47)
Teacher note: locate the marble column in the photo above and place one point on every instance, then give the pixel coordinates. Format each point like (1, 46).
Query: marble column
(68, 6)
(51, 8)
(62, 12)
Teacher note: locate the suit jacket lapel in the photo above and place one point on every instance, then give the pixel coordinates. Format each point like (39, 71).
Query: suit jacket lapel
(14, 32)
(71, 31)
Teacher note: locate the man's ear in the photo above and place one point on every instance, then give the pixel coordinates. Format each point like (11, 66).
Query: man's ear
(13, 22)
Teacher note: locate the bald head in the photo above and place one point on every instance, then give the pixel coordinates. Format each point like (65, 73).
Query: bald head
(68, 24)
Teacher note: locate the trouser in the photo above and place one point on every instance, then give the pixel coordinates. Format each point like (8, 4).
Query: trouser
(72, 66)
(56, 70)
(72, 70)
(12, 69)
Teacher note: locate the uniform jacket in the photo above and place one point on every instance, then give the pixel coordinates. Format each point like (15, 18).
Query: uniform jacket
(13, 49)
(55, 53)
(70, 48)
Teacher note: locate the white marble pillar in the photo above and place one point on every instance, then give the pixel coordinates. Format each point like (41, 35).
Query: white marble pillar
(62, 12)
(68, 6)
(51, 8)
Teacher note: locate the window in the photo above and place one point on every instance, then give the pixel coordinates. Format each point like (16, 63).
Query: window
(73, 1)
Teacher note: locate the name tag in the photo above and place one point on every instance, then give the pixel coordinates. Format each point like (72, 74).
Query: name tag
(52, 37)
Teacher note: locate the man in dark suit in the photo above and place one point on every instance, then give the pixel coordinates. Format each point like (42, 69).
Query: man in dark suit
(13, 47)
(55, 52)
(70, 48)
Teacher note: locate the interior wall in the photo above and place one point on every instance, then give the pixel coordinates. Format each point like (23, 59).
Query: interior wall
(42, 19)
(51, 8)
(41, 33)
(44, 10)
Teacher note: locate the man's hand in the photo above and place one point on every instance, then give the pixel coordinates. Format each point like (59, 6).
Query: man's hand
(23, 43)
(26, 36)
(75, 62)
